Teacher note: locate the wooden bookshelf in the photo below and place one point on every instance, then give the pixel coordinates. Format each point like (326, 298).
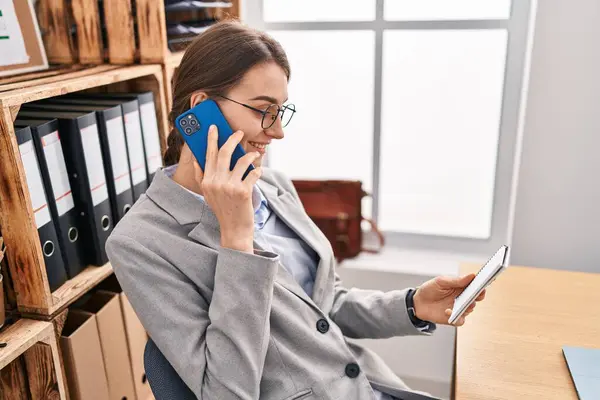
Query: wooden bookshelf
(24, 255)
(115, 46)
(152, 29)
(134, 30)
(21, 336)
(171, 64)
(34, 344)
(70, 291)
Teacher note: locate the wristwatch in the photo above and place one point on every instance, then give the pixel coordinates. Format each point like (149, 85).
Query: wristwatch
(417, 322)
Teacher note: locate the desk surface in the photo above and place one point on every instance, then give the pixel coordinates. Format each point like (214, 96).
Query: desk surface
(511, 346)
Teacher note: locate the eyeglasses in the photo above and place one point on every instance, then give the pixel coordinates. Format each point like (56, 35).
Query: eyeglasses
(271, 113)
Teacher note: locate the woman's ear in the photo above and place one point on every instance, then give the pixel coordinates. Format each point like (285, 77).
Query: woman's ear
(197, 98)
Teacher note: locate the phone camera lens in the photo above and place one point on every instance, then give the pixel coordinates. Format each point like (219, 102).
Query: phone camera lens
(188, 130)
(193, 122)
(184, 122)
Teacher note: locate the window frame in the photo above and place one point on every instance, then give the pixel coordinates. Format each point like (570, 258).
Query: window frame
(520, 26)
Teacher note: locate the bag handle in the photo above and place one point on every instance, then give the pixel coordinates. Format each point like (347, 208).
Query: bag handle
(374, 229)
(380, 236)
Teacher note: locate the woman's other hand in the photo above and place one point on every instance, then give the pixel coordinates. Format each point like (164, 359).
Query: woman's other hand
(228, 196)
(435, 298)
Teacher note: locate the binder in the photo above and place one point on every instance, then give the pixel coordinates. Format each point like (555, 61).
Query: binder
(81, 146)
(191, 5)
(114, 151)
(150, 132)
(133, 135)
(188, 28)
(55, 265)
(65, 215)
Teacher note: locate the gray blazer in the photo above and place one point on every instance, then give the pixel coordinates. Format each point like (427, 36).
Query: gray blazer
(236, 325)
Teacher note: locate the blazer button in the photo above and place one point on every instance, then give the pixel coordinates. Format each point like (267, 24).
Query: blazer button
(352, 370)
(323, 325)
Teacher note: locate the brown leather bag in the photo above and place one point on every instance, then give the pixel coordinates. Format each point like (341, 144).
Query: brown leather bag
(335, 207)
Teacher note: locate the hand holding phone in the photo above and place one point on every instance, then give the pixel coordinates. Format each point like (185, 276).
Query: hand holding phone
(193, 125)
(228, 196)
(225, 175)
(486, 275)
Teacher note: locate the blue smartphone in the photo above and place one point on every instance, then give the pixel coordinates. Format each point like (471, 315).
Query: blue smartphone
(193, 126)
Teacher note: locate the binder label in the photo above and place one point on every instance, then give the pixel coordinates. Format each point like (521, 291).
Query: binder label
(151, 138)
(57, 169)
(34, 183)
(94, 164)
(118, 154)
(135, 145)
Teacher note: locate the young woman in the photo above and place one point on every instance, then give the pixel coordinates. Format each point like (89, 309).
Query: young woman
(234, 283)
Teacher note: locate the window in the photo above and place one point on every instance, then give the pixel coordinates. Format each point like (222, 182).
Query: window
(428, 10)
(318, 10)
(418, 99)
(338, 86)
(440, 130)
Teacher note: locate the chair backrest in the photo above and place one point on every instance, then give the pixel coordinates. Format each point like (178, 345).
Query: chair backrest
(164, 381)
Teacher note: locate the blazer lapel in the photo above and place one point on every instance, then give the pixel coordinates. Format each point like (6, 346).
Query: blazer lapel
(291, 212)
(187, 210)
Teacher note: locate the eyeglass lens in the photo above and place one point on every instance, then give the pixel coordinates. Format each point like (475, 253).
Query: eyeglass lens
(273, 111)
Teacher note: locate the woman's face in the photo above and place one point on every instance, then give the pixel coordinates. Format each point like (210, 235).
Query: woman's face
(262, 86)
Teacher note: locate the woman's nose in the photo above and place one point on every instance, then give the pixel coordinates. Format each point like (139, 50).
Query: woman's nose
(276, 130)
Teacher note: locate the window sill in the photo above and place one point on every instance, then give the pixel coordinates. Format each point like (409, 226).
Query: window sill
(411, 261)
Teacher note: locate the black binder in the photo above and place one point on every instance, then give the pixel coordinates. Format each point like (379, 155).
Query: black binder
(114, 151)
(189, 5)
(81, 146)
(55, 177)
(133, 135)
(55, 265)
(149, 125)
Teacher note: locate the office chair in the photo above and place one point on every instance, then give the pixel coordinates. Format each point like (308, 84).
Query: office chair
(164, 380)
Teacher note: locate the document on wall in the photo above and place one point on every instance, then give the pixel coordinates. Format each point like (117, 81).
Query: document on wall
(12, 45)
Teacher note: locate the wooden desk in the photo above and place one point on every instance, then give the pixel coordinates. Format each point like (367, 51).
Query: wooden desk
(511, 346)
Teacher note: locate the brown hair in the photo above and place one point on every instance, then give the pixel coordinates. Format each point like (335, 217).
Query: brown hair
(215, 62)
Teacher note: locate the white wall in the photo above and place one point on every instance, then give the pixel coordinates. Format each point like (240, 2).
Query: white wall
(557, 214)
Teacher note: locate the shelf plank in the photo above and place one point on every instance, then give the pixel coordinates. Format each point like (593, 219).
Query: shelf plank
(78, 286)
(59, 323)
(171, 63)
(68, 293)
(13, 384)
(118, 22)
(25, 260)
(52, 17)
(152, 31)
(86, 17)
(235, 10)
(62, 84)
(46, 77)
(28, 76)
(21, 336)
(174, 59)
(42, 372)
